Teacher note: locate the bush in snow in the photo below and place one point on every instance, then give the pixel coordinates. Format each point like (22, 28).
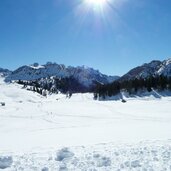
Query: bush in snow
(5, 162)
(123, 101)
(63, 154)
(2, 103)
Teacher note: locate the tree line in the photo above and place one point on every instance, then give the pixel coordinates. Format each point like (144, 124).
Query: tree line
(133, 86)
(53, 85)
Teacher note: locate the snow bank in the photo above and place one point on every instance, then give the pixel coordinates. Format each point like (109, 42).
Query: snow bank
(143, 156)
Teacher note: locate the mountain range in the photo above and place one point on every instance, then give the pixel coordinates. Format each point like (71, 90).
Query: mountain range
(154, 68)
(84, 76)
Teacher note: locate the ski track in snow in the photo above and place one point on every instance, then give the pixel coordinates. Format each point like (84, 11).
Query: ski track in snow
(38, 133)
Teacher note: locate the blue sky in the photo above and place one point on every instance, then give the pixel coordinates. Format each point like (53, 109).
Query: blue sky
(114, 38)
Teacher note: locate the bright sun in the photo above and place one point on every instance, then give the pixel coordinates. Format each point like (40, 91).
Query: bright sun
(96, 3)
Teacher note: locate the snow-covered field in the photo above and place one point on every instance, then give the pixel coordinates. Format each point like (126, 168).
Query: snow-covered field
(55, 133)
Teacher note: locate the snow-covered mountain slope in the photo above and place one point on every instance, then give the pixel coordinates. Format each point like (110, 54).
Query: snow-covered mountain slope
(165, 68)
(154, 68)
(85, 75)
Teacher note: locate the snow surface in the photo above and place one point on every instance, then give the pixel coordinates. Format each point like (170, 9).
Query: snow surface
(149, 156)
(56, 133)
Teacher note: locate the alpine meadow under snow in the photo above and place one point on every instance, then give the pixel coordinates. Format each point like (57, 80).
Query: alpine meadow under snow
(79, 133)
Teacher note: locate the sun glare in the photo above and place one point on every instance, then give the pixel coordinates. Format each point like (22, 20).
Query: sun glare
(96, 3)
